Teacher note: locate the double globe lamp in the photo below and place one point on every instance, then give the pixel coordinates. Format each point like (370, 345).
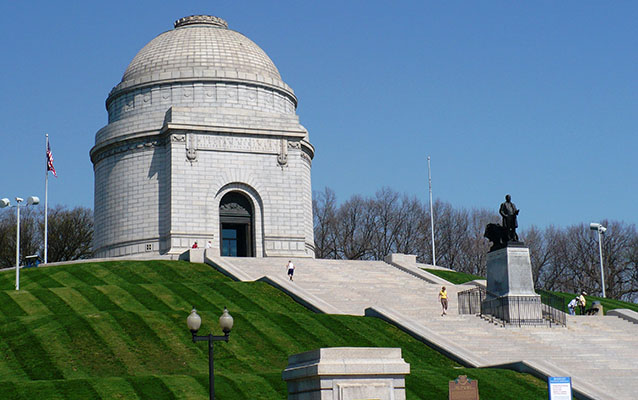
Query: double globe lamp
(31, 201)
(194, 321)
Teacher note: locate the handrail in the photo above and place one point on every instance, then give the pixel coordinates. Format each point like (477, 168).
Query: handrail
(513, 310)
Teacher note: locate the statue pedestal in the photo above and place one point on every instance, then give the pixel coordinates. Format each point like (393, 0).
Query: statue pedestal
(510, 286)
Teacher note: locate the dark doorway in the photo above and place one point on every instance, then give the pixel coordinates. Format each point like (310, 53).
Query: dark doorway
(236, 225)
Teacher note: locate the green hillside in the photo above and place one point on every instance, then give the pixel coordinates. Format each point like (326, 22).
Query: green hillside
(117, 330)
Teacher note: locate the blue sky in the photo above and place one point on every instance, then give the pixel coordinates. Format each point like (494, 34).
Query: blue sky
(537, 99)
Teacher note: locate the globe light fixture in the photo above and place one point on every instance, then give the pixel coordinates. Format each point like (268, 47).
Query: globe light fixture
(194, 322)
(595, 226)
(31, 201)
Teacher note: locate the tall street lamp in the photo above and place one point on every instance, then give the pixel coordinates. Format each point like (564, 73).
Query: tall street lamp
(31, 201)
(595, 226)
(194, 321)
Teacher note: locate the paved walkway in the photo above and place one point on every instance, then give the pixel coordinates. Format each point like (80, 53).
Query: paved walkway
(599, 353)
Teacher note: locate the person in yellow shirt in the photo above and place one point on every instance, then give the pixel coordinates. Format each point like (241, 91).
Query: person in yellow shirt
(582, 302)
(443, 299)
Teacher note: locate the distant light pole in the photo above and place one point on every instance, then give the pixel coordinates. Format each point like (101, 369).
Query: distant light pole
(31, 201)
(431, 213)
(194, 321)
(595, 226)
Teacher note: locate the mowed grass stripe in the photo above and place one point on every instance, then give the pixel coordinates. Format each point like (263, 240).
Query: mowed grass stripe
(251, 386)
(186, 387)
(239, 299)
(7, 280)
(114, 388)
(84, 274)
(151, 387)
(195, 272)
(8, 306)
(76, 389)
(146, 297)
(101, 301)
(156, 357)
(89, 347)
(40, 278)
(9, 391)
(10, 368)
(271, 299)
(122, 298)
(65, 276)
(213, 296)
(302, 335)
(253, 347)
(39, 390)
(275, 382)
(28, 302)
(105, 273)
(28, 350)
(231, 388)
(171, 329)
(75, 300)
(48, 331)
(168, 297)
(52, 301)
(128, 274)
(159, 273)
(118, 341)
(188, 294)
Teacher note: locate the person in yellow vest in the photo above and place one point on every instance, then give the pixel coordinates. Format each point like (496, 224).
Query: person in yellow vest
(582, 302)
(443, 299)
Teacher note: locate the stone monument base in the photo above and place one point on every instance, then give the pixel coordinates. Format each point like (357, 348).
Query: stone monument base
(510, 286)
(347, 373)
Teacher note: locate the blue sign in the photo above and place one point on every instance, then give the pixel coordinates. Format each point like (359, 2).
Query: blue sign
(560, 388)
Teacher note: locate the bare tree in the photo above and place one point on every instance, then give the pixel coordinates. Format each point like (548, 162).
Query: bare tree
(324, 206)
(29, 238)
(538, 252)
(385, 209)
(355, 228)
(563, 259)
(70, 233)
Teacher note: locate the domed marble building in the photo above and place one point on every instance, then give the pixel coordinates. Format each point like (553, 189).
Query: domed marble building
(202, 144)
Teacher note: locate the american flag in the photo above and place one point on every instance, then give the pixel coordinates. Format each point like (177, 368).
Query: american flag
(50, 166)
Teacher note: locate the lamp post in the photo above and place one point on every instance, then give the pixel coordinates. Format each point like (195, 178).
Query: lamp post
(194, 321)
(31, 201)
(595, 226)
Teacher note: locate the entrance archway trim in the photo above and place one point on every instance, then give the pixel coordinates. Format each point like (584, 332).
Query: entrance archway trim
(258, 214)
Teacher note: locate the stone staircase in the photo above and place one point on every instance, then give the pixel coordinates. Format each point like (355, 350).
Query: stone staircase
(599, 353)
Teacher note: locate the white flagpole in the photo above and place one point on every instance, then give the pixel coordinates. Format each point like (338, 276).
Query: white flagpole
(46, 202)
(431, 213)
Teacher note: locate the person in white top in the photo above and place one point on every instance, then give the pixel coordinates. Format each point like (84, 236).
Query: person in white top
(291, 269)
(209, 245)
(571, 306)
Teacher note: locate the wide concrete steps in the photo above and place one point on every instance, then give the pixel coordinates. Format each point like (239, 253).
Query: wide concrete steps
(599, 353)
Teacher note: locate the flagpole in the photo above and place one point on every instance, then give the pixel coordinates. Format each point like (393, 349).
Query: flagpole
(46, 201)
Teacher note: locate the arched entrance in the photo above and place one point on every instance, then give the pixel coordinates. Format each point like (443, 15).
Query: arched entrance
(236, 225)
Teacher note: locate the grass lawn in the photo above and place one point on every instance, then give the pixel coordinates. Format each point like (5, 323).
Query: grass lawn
(454, 277)
(117, 330)
(608, 304)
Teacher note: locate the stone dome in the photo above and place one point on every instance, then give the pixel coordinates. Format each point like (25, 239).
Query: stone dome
(201, 47)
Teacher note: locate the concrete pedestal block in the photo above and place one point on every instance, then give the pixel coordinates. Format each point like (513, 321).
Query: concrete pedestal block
(509, 272)
(510, 286)
(399, 258)
(347, 373)
(193, 255)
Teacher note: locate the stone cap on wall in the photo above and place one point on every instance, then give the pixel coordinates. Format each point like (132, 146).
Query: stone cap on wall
(337, 361)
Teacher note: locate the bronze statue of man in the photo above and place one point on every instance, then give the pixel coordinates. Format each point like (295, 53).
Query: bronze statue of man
(509, 212)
